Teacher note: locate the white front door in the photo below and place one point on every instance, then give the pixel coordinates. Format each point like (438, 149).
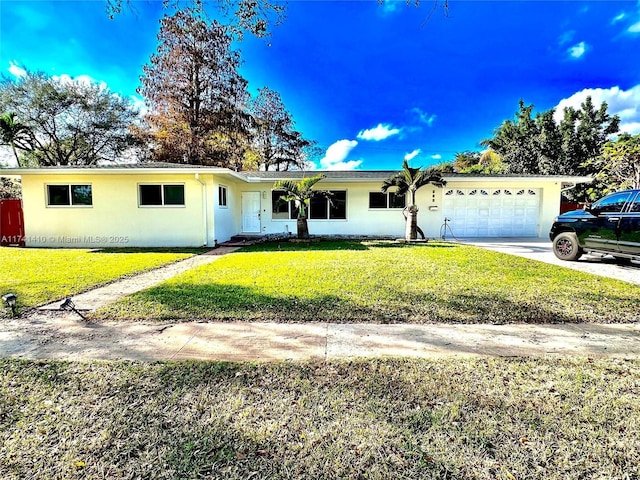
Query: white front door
(251, 212)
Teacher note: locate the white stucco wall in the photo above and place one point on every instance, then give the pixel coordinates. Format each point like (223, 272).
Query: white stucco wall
(226, 218)
(361, 220)
(115, 219)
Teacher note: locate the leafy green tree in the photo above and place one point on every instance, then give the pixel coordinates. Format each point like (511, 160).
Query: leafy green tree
(619, 166)
(540, 145)
(65, 122)
(301, 193)
(463, 161)
(279, 145)
(15, 134)
(231, 141)
(515, 141)
(9, 188)
(408, 181)
(196, 97)
(484, 163)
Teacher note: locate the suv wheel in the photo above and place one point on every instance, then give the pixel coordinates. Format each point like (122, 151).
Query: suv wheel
(565, 246)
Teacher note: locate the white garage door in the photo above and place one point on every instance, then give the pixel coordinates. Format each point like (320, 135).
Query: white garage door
(498, 212)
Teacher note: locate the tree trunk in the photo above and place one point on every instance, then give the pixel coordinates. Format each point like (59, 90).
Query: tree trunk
(303, 228)
(411, 230)
(15, 152)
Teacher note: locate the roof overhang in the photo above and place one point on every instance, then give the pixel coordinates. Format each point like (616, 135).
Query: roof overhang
(563, 179)
(352, 176)
(186, 170)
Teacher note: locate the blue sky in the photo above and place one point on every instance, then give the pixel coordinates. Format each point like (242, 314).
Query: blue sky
(372, 83)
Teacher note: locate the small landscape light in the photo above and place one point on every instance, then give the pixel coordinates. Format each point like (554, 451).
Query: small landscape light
(10, 299)
(69, 305)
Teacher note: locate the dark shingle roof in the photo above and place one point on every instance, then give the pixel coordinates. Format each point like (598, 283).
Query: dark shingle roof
(329, 174)
(107, 166)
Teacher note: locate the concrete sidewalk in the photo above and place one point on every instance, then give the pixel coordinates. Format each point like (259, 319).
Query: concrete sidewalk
(64, 337)
(49, 333)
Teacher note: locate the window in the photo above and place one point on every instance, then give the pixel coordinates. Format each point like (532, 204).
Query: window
(635, 207)
(69, 195)
(319, 208)
(386, 200)
(222, 195)
(339, 209)
(160, 195)
(281, 210)
(611, 204)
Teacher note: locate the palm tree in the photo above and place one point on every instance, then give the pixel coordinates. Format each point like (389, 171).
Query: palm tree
(409, 180)
(14, 134)
(301, 193)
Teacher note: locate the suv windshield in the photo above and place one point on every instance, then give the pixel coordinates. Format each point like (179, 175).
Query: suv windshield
(611, 204)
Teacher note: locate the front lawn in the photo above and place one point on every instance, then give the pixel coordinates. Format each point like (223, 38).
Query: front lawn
(491, 418)
(40, 275)
(375, 281)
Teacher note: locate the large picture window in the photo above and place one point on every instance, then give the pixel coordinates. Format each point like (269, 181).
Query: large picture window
(69, 195)
(386, 200)
(161, 195)
(319, 208)
(322, 209)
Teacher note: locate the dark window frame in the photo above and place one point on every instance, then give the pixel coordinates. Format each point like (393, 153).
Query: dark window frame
(292, 211)
(72, 197)
(223, 196)
(164, 202)
(390, 201)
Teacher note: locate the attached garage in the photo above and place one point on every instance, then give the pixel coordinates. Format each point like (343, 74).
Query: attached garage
(216, 203)
(495, 212)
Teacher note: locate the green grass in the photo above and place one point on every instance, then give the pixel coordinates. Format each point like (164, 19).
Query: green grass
(39, 275)
(351, 281)
(488, 418)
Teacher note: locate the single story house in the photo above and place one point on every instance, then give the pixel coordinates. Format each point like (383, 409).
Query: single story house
(171, 205)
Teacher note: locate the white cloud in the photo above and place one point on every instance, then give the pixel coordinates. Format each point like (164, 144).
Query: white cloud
(629, 20)
(336, 155)
(624, 103)
(16, 70)
(411, 155)
(437, 156)
(619, 17)
(85, 80)
(578, 50)
(381, 132)
(566, 37)
(424, 117)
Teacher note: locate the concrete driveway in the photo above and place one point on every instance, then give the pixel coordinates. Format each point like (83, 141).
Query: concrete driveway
(540, 249)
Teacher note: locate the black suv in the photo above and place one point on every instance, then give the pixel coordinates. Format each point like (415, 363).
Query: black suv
(611, 226)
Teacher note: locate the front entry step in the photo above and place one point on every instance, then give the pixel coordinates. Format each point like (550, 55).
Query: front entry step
(242, 240)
